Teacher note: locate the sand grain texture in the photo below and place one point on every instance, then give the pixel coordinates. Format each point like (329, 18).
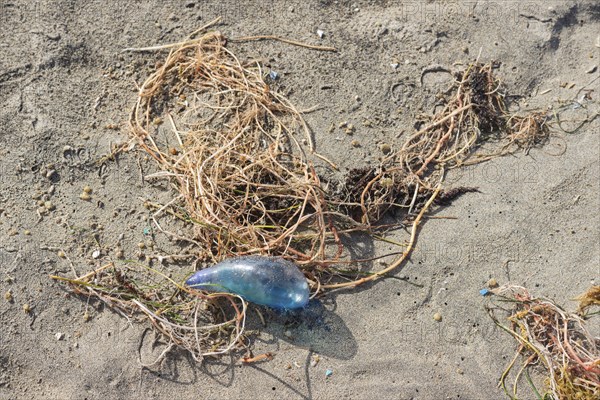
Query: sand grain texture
(64, 84)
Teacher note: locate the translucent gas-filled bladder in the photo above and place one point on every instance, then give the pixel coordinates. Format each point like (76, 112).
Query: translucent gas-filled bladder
(270, 281)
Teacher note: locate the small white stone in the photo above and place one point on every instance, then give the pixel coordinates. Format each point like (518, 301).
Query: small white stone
(320, 33)
(59, 335)
(96, 254)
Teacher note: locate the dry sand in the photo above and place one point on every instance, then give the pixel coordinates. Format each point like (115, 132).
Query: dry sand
(64, 79)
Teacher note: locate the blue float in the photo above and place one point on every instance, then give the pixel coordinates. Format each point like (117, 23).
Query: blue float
(269, 281)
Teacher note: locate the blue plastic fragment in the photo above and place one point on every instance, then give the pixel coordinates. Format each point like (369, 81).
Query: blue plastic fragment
(328, 372)
(270, 281)
(146, 231)
(484, 292)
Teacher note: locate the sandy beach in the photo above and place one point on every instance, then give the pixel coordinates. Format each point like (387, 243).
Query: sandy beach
(66, 92)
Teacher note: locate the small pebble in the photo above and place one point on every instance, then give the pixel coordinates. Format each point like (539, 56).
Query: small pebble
(315, 360)
(50, 173)
(460, 371)
(385, 148)
(84, 196)
(87, 189)
(437, 317)
(320, 33)
(592, 69)
(386, 182)
(61, 254)
(26, 308)
(8, 296)
(48, 204)
(141, 245)
(355, 143)
(96, 254)
(59, 335)
(119, 253)
(86, 317)
(26, 232)
(287, 334)
(492, 283)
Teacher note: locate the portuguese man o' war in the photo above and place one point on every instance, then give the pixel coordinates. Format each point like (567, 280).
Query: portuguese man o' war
(269, 281)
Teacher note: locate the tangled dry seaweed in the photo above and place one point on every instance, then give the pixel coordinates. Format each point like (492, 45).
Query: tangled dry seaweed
(238, 154)
(554, 339)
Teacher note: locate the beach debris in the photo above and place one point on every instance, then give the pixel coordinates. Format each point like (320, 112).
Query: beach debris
(245, 186)
(85, 196)
(385, 148)
(269, 281)
(492, 283)
(320, 33)
(588, 299)
(328, 372)
(273, 75)
(50, 173)
(315, 360)
(550, 337)
(261, 357)
(484, 292)
(592, 69)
